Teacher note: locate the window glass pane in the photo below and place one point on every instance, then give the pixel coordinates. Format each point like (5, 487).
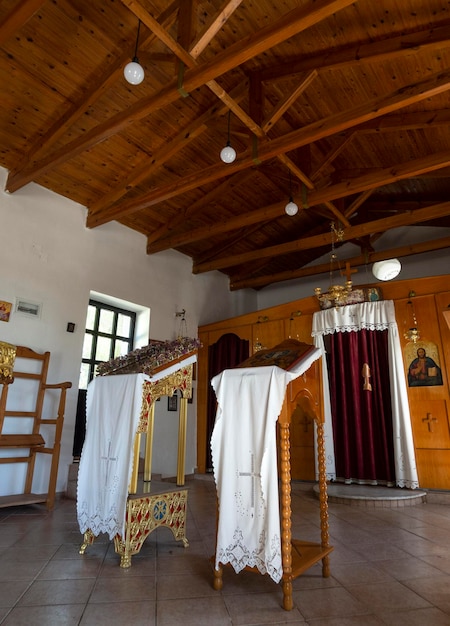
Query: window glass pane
(121, 348)
(90, 320)
(105, 324)
(84, 376)
(103, 349)
(123, 325)
(87, 346)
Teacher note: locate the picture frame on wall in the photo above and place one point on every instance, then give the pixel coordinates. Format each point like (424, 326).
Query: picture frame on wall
(172, 402)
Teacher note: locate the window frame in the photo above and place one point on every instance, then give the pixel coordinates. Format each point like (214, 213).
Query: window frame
(113, 336)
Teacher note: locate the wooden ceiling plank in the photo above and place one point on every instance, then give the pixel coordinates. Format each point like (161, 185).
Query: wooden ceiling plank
(216, 251)
(333, 124)
(288, 25)
(212, 29)
(324, 239)
(283, 106)
(153, 163)
(156, 241)
(348, 138)
(361, 260)
(17, 17)
(354, 206)
(93, 92)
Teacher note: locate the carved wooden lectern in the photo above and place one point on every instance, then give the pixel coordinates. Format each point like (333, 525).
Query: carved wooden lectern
(296, 556)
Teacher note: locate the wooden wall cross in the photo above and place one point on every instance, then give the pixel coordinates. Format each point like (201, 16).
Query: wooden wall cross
(348, 272)
(430, 419)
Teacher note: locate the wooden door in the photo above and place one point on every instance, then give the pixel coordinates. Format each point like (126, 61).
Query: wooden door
(429, 401)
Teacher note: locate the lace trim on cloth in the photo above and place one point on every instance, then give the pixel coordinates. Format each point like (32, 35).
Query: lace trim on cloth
(239, 556)
(354, 317)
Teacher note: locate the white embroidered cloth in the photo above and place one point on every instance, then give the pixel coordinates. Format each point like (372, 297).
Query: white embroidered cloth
(244, 455)
(112, 415)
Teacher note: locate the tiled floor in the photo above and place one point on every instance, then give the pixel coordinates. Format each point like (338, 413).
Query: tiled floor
(389, 566)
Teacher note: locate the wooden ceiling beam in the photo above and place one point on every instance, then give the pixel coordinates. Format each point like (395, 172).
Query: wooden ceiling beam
(324, 239)
(386, 49)
(151, 164)
(287, 26)
(158, 238)
(436, 84)
(211, 30)
(361, 260)
(254, 217)
(381, 177)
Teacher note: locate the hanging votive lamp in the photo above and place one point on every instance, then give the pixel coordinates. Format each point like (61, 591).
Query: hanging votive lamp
(133, 71)
(412, 334)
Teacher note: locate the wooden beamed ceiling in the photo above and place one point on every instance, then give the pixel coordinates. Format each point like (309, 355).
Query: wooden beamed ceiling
(341, 104)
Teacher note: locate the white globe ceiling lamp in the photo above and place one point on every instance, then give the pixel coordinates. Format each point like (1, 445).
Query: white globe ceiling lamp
(386, 270)
(228, 153)
(133, 71)
(291, 208)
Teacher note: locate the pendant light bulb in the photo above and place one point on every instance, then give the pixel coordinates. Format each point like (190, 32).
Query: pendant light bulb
(228, 154)
(291, 208)
(133, 71)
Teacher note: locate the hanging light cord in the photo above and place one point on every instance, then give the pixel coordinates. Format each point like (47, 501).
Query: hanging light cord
(137, 39)
(229, 123)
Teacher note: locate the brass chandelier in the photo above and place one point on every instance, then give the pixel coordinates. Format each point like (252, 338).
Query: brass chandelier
(337, 294)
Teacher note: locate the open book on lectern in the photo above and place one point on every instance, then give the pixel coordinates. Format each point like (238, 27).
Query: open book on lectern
(285, 355)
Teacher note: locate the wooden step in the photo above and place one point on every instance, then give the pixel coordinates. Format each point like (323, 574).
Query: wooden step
(21, 441)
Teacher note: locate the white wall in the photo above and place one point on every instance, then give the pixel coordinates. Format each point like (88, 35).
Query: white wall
(47, 255)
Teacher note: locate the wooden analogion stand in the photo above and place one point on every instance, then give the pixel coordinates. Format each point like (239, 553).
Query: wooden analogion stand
(149, 504)
(297, 556)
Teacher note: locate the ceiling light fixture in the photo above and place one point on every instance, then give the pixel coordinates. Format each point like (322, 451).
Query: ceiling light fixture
(133, 71)
(291, 208)
(386, 270)
(228, 153)
(336, 295)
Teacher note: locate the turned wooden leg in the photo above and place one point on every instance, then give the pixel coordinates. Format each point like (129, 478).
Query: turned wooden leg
(286, 548)
(323, 498)
(218, 580)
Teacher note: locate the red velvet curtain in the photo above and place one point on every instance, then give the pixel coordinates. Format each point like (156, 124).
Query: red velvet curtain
(227, 352)
(362, 417)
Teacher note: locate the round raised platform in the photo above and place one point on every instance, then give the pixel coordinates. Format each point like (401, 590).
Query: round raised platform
(373, 495)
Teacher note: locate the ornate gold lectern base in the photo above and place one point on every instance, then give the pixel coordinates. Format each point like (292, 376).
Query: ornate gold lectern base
(144, 514)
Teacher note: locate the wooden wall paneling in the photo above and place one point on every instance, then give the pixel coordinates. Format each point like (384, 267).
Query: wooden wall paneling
(432, 297)
(429, 405)
(267, 334)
